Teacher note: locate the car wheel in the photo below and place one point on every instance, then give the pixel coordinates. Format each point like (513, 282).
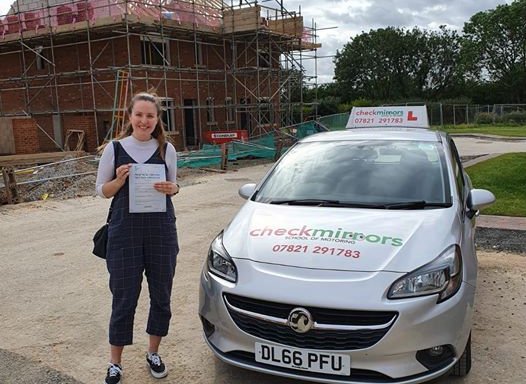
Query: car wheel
(463, 365)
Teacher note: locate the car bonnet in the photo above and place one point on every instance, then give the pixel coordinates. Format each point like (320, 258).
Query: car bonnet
(340, 238)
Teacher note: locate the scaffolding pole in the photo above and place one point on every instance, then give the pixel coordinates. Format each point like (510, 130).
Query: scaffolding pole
(260, 46)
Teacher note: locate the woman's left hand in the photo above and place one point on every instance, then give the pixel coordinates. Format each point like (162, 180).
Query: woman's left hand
(166, 187)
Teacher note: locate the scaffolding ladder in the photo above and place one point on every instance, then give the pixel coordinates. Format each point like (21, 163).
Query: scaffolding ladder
(119, 104)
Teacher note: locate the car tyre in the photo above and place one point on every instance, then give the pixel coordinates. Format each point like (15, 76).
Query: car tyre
(463, 365)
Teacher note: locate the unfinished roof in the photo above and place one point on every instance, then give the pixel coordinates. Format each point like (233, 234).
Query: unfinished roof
(30, 18)
(26, 15)
(30, 5)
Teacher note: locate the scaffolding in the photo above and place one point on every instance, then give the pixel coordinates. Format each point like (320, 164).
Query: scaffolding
(216, 65)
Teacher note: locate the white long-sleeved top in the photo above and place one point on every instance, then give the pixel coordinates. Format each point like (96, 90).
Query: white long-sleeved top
(140, 151)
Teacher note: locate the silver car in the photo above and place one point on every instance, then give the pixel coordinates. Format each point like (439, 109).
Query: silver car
(352, 261)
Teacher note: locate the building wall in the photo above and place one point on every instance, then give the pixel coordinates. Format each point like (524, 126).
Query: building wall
(86, 123)
(45, 133)
(25, 133)
(68, 89)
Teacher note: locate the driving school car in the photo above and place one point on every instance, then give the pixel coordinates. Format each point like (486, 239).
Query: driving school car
(352, 261)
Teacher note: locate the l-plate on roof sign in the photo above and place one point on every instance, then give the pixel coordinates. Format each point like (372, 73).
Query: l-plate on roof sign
(403, 117)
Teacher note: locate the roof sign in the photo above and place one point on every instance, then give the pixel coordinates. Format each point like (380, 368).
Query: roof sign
(403, 117)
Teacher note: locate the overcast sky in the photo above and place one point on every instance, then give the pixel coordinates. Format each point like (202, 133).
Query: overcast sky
(337, 21)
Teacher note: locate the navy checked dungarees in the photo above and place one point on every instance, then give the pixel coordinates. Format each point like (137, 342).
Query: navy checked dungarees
(137, 243)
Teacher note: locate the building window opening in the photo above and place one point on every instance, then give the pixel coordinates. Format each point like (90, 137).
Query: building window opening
(154, 51)
(230, 110)
(210, 112)
(199, 61)
(40, 58)
(168, 115)
(264, 59)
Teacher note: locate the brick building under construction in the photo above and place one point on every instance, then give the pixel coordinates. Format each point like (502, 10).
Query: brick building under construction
(68, 69)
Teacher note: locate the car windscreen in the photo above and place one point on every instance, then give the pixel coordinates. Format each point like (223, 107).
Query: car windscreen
(388, 174)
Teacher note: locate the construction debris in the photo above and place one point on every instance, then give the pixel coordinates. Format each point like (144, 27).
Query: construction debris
(76, 176)
(69, 178)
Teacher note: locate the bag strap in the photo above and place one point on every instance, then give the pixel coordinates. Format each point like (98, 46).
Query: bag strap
(116, 147)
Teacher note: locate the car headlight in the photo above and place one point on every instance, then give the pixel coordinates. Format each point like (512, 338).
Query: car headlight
(219, 261)
(443, 276)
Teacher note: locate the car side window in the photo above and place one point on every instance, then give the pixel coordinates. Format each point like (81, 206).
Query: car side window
(457, 169)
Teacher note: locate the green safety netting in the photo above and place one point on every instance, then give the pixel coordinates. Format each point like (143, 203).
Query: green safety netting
(335, 122)
(263, 146)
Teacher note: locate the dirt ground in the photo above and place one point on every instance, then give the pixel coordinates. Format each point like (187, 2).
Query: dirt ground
(55, 302)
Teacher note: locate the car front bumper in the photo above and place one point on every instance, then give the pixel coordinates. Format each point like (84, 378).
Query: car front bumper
(420, 323)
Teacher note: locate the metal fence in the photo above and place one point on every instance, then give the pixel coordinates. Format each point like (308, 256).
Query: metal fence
(441, 114)
(458, 114)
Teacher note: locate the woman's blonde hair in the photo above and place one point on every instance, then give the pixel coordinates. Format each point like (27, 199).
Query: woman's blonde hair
(158, 133)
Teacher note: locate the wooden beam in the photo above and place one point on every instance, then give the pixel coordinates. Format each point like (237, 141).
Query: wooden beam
(290, 26)
(38, 158)
(11, 189)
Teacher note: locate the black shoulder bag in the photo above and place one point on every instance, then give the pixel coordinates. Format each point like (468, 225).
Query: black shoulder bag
(100, 238)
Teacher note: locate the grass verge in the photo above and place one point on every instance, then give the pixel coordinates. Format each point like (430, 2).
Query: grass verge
(505, 176)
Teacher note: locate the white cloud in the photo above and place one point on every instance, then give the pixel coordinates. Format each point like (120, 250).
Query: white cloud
(4, 6)
(352, 17)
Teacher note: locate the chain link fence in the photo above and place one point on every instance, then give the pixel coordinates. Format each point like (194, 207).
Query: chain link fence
(460, 114)
(441, 114)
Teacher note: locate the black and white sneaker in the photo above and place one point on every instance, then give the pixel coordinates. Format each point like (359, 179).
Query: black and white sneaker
(156, 365)
(113, 375)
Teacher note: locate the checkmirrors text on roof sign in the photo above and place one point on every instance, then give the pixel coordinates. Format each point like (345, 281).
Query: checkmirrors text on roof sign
(370, 117)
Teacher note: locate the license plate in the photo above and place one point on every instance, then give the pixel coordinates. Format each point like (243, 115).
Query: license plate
(304, 359)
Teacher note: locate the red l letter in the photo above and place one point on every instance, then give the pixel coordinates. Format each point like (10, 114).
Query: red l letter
(410, 116)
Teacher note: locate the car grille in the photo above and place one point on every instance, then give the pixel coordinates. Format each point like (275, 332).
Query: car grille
(244, 312)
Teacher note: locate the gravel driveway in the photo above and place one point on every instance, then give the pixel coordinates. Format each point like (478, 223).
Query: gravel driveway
(55, 302)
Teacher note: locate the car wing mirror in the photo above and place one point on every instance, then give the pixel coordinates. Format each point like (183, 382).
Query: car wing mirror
(247, 190)
(478, 199)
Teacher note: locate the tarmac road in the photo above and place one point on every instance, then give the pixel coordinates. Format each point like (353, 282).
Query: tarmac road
(475, 145)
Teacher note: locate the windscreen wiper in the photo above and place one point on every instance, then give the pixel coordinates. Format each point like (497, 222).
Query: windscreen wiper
(327, 203)
(418, 204)
(313, 202)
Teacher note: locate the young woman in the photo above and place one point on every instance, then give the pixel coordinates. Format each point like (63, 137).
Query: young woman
(139, 243)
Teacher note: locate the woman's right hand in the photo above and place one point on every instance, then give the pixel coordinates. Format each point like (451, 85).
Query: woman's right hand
(110, 188)
(122, 172)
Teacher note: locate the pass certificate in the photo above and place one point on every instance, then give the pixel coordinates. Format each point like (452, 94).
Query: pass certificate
(143, 196)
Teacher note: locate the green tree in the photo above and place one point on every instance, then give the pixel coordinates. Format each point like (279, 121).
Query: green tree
(494, 50)
(369, 65)
(439, 74)
(395, 64)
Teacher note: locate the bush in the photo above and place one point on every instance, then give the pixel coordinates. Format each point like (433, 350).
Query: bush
(345, 107)
(363, 103)
(328, 106)
(462, 100)
(486, 118)
(514, 117)
(307, 112)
